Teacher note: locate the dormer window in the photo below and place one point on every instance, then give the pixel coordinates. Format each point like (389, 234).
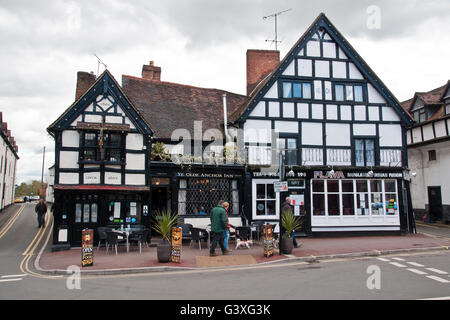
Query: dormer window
(420, 115)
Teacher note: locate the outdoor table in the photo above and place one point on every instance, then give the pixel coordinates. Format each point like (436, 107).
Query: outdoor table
(126, 232)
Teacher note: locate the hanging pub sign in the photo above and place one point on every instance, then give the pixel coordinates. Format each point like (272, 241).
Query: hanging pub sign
(176, 245)
(87, 248)
(268, 240)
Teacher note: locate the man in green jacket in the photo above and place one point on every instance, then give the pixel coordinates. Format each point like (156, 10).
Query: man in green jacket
(218, 227)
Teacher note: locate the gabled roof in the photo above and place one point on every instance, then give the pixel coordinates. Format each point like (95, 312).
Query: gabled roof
(107, 85)
(432, 98)
(321, 22)
(169, 106)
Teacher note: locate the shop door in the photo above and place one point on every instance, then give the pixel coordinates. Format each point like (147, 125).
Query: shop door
(86, 217)
(435, 203)
(298, 201)
(160, 200)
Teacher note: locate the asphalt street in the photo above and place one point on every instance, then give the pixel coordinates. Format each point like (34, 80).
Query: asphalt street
(408, 276)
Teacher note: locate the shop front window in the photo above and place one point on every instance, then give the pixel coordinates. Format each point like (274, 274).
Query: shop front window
(348, 198)
(265, 200)
(318, 197)
(198, 196)
(333, 198)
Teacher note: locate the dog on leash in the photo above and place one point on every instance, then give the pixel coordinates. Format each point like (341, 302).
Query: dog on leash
(244, 243)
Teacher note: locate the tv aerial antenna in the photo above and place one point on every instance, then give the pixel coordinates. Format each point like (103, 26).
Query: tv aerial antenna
(99, 62)
(275, 16)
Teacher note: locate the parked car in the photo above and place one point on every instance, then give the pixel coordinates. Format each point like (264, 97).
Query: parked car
(18, 200)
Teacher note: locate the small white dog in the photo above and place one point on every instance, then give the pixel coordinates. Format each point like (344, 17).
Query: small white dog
(244, 243)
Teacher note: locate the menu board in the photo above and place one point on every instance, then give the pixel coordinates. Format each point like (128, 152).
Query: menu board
(268, 240)
(87, 248)
(176, 245)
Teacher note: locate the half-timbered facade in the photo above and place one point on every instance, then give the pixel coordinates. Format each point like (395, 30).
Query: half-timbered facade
(102, 152)
(340, 130)
(429, 152)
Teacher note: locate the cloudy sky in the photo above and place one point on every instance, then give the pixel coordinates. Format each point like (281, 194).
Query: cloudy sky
(197, 42)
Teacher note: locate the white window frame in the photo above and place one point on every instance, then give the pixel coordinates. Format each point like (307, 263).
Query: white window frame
(255, 182)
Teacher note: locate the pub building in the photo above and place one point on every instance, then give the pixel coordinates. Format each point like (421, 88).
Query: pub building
(340, 130)
(109, 171)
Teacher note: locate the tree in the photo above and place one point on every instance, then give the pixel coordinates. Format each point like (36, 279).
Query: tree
(29, 189)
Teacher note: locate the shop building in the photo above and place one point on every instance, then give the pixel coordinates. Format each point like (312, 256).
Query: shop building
(9, 157)
(429, 153)
(102, 152)
(340, 130)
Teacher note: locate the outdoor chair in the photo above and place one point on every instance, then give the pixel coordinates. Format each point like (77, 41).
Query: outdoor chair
(243, 233)
(186, 231)
(140, 237)
(259, 228)
(112, 239)
(101, 231)
(196, 235)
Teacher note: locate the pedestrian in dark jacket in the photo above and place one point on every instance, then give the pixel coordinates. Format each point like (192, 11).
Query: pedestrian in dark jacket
(218, 227)
(41, 210)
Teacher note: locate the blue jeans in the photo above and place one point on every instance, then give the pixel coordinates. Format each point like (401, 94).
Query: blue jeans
(226, 238)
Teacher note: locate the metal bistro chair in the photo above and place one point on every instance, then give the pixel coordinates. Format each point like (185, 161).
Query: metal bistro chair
(140, 237)
(196, 235)
(111, 239)
(186, 231)
(101, 231)
(259, 229)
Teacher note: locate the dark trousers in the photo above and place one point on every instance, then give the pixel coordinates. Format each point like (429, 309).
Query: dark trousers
(217, 238)
(283, 231)
(41, 219)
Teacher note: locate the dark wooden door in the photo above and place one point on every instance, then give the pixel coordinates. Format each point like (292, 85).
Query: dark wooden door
(435, 203)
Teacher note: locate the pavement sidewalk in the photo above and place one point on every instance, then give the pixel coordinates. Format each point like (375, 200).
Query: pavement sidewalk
(192, 258)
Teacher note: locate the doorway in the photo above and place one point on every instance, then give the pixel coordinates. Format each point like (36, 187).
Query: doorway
(161, 200)
(435, 203)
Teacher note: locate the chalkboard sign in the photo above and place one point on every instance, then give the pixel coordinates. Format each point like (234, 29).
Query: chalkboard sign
(87, 248)
(176, 245)
(268, 240)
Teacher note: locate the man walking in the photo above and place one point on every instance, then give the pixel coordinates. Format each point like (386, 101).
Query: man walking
(41, 210)
(218, 226)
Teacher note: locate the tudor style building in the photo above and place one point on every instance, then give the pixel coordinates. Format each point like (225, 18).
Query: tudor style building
(429, 152)
(102, 152)
(341, 131)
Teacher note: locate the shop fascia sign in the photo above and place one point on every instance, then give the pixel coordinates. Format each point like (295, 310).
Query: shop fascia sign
(206, 175)
(340, 175)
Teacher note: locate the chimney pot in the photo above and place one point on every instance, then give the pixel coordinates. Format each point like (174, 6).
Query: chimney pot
(151, 72)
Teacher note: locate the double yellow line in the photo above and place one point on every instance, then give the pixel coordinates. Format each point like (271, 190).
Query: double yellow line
(11, 221)
(30, 250)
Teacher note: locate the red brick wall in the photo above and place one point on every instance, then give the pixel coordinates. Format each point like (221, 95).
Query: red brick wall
(259, 64)
(150, 72)
(84, 81)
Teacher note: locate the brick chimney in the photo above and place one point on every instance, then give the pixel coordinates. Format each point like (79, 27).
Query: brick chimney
(84, 81)
(150, 72)
(259, 64)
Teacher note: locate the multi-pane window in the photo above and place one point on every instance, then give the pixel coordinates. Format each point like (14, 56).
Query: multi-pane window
(297, 90)
(348, 93)
(266, 201)
(288, 147)
(420, 115)
(354, 197)
(102, 147)
(365, 152)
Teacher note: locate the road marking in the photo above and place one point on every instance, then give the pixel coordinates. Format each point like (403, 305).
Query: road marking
(398, 259)
(14, 276)
(438, 298)
(398, 264)
(437, 271)
(41, 231)
(383, 259)
(11, 221)
(415, 264)
(438, 279)
(10, 280)
(417, 271)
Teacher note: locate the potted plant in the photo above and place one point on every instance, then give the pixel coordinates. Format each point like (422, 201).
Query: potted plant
(164, 221)
(290, 223)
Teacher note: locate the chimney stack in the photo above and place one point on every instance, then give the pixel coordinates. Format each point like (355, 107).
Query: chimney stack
(150, 72)
(259, 64)
(84, 81)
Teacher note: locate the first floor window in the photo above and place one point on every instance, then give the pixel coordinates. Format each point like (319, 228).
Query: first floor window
(297, 90)
(365, 152)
